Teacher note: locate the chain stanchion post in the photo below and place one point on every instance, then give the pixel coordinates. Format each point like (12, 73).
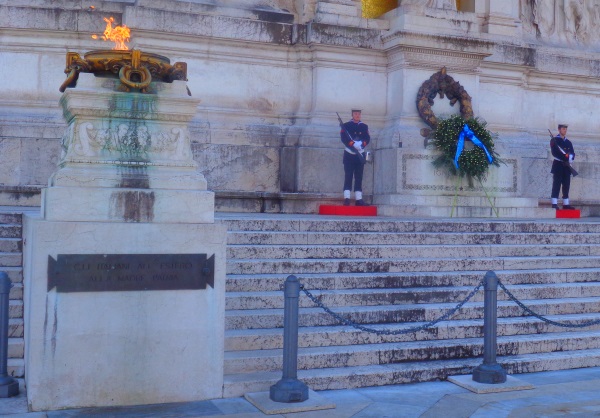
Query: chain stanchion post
(490, 371)
(8, 386)
(289, 388)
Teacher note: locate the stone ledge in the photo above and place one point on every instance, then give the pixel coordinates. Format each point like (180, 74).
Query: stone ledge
(588, 208)
(132, 205)
(29, 195)
(275, 202)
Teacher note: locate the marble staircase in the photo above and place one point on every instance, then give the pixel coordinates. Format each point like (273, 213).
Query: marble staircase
(387, 274)
(11, 263)
(391, 274)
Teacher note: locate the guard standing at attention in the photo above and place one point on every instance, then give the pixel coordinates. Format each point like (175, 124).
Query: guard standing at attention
(355, 136)
(563, 153)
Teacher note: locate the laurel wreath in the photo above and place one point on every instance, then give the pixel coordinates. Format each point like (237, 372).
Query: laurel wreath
(473, 163)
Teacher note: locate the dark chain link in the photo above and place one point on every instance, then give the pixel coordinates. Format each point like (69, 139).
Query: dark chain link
(541, 317)
(349, 322)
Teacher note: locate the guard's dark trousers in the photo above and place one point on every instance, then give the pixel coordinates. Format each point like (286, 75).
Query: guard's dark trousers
(352, 168)
(561, 177)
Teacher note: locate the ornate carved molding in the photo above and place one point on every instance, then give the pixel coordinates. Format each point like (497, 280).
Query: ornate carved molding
(413, 50)
(454, 42)
(126, 143)
(405, 56)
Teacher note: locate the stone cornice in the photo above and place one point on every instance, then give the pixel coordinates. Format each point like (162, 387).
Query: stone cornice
(452, 42)
(403, 56)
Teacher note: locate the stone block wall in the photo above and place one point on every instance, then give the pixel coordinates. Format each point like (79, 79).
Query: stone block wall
(271, 75)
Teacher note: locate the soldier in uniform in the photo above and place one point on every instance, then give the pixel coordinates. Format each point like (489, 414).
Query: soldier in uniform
(563, 153)
(354, 143)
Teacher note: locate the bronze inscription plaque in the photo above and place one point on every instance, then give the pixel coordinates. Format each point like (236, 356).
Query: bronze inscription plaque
(122, 272)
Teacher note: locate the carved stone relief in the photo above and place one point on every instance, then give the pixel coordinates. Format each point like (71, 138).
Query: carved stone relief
(126, 142)
(571, 21)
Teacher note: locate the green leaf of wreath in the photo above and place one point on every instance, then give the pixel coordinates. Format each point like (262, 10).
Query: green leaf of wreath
(472, 163)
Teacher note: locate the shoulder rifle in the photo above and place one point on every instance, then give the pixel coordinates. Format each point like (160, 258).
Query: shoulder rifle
(358, 153)
(565, 163)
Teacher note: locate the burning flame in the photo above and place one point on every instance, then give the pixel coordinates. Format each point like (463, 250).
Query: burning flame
(119, 34)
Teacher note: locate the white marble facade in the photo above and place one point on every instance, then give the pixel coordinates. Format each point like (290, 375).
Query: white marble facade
(270, 75)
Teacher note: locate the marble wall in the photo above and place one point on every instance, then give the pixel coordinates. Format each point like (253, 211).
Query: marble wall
(271, 75)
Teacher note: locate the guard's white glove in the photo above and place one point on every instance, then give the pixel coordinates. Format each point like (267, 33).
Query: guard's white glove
(358, 146)
(570, 157)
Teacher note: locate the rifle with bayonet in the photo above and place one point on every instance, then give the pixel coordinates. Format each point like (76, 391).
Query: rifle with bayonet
(565, 163)
(358, 153)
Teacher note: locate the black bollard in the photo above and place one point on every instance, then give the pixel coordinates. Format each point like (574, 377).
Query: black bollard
(289, 388)
(8, 386)
(490, 371)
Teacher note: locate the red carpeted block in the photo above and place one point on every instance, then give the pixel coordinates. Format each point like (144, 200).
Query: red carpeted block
(568, 213)
(327, 210)
(348, 210)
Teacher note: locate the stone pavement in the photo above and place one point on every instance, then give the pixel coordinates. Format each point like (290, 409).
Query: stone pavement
(572, 393)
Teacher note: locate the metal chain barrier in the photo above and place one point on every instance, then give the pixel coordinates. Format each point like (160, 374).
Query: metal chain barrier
(349, 322)
(541, 317)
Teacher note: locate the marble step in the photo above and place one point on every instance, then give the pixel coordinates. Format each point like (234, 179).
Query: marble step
(15, 308)
(241, 252)
(15, 274)
(406, 313)
(10, 218)
(416, 295)
(405, 238)
(484, 211)
(304, 266)
(15, 327)
(397, 373)
(10, 231)
(10, 260)
(340, 335)
(16, 348)
(390, 225)
(15, 367)
(16, 291)
(389, 353)
(398, 280)
(10, 245)
(451, 200)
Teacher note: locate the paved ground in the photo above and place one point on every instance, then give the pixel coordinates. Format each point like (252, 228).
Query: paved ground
(572, 393)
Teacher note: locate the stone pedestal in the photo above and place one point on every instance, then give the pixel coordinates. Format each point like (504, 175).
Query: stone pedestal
(88, 349)
(419, 189)
(103, 333)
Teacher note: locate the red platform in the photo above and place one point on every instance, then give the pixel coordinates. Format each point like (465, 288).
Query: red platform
(348, 210)
(568, 213)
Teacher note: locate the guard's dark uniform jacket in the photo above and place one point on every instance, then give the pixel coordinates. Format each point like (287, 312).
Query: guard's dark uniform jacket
(353, 167)
(559, 156)
(358, 131)
(560, 170)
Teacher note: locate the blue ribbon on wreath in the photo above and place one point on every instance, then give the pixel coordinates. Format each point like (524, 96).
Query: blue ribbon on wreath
(469, 134)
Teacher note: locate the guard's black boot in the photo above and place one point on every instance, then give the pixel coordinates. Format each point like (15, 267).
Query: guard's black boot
(346, 202)
(569, 207)
(554, 206)
(360, 202)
